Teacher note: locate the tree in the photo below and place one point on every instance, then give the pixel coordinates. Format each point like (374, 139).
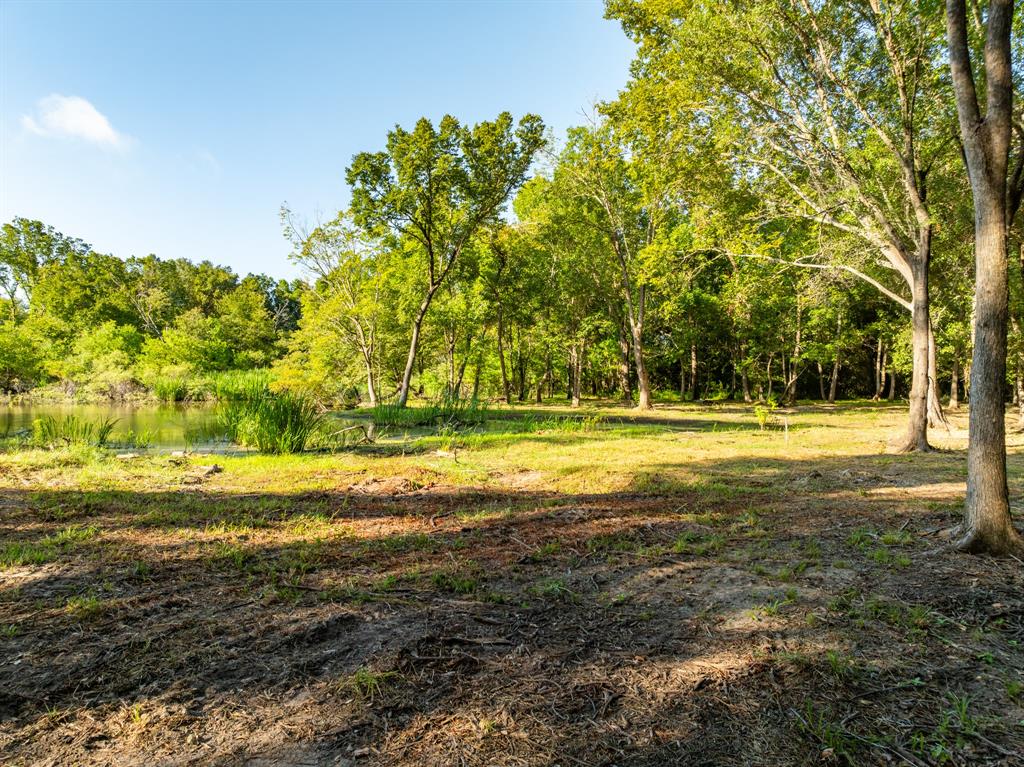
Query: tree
(26, 246)
(348, 269)
(987, 525)
(247, 325)
(834, 104)
(437, 187)
(632, 206)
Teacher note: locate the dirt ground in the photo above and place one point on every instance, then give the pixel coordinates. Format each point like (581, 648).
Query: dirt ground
(688, 591)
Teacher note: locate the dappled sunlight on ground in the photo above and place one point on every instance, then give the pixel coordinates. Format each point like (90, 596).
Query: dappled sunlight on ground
(639, 593)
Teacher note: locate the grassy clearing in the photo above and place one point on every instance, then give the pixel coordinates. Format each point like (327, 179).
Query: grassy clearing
(543, 590)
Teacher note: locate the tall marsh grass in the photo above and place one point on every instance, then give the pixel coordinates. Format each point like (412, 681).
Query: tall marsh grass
(447, 411)
(273, 423)
(232, 385)
(52, 431)
(170, 388)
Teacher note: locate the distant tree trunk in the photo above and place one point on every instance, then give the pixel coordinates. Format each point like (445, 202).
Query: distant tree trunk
(821, 380)
(623, 368)
(935, 415)
(693, 372)
(682, 379)
(834, 383)
(879, 372)
(954, 385)
(506, 392)
(576, 372)
(892, 385)
(371, 390)
(917, 429)
(789, 395)
(987, 525)
(1020, 396)
(768, 375)
(745, 380)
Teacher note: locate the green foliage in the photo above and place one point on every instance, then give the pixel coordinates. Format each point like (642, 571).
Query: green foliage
(766, 415)
(273, 423)
(21, 363)
(102, 357)
(449, 410)
(52, 431)
(234, 385)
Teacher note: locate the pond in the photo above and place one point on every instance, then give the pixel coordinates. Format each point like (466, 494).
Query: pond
(161, 427)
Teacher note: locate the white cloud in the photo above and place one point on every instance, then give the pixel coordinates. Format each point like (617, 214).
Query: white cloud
(73, 117)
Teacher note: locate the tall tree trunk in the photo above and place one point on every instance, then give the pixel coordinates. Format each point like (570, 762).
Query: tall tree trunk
(745, 380)
(834, 383)
(682, 379)
(410, 360)
(987, 525)
(892, 385)
(821, 381)
(917, 429)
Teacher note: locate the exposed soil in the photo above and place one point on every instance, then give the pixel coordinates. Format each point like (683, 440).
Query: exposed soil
(805, 615)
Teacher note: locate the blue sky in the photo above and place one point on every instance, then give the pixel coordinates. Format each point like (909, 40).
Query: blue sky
(180, 128)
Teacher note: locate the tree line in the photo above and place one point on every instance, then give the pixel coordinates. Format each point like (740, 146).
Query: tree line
(784, 201)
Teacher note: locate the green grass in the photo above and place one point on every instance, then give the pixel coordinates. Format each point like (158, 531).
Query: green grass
(170, 388)
(233, 385)
(51, 431)
(446, 411)
(46, 550)
(273, 423)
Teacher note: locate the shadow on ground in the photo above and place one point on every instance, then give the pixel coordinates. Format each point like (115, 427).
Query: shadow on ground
(772, 612)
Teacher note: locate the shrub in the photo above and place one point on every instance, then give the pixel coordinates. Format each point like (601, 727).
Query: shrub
(766, 416)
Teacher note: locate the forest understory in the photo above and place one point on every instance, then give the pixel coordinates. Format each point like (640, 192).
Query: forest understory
(689, 590)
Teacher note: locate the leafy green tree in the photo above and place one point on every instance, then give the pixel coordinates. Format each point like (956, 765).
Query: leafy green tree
(102, 358)
(21, 359)
(246, 325)
(348, 269)
(26, 246)
(841, 110)
(436, 188)
(194, 344)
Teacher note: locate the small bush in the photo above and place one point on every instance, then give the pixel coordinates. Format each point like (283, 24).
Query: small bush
(766, 416)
